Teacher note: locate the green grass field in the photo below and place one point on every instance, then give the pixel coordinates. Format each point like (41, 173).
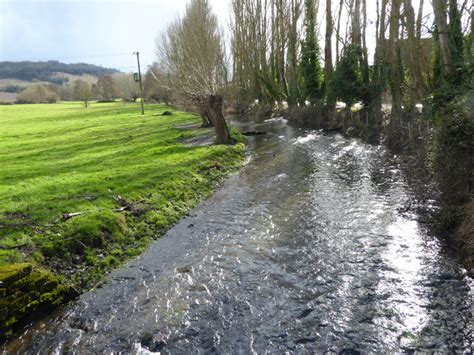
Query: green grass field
(129, 176)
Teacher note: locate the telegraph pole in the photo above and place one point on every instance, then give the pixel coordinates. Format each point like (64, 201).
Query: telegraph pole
(140, 80)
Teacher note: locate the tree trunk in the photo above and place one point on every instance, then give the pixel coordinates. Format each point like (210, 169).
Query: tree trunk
(379, 76)
(419, 20)
(204, 112)
(273, 44)
(377, 21)
(205, 116)
(394, 60)
(338, 31)
(214, 105)
(439, 8)
(356, 37)
(471, 41)
(381, 38)
(472, 21)
(365, 58)
(293, 89)
(328, 49)
(418, 83)
(281, 20)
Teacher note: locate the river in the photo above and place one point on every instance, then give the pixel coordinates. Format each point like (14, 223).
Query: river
(309, 248)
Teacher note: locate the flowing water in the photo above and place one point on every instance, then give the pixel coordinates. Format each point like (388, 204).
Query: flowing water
(309, 248)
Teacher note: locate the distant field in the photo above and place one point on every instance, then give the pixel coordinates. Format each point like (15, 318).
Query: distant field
(129, 177)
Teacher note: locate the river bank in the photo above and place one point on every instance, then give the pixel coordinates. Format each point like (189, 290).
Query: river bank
(84, 190)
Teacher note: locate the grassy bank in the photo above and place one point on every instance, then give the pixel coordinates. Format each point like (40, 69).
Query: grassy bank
(81, 190)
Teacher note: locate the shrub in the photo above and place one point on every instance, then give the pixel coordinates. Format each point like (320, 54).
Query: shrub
(347, 82)
(455, 156)
(36, 94)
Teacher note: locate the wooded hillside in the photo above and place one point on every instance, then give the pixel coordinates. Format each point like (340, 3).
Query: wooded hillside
(45, 71)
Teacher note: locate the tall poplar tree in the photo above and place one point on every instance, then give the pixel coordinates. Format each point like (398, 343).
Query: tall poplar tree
(310, 67)
(456, 41)
(328, 68)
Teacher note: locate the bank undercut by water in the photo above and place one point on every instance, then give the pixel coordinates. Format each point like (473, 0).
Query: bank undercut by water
(83, 190)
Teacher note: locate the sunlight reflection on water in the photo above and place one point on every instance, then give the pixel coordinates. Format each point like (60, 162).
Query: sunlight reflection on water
(403, 255)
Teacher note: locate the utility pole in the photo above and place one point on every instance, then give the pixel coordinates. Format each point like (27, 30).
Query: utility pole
(140, 80)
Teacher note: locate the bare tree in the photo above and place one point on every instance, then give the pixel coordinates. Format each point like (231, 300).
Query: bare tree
(36, 94)
(82, 91)
(252, 39)
(153, 87)
(127, 88)
(192, 53)
(106, 88)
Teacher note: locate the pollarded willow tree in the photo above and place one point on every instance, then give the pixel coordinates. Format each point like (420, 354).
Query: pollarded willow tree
(192, 53)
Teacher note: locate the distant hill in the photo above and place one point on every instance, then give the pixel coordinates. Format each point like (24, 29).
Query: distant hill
(48, 71)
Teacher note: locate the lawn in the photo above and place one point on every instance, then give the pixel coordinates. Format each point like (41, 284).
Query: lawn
(81, 190)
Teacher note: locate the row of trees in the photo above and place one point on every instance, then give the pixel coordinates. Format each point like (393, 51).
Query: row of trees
(388, 53)
(277, 56)
(106, 88)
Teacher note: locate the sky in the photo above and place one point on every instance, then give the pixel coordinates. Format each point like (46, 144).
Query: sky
(103, 32)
